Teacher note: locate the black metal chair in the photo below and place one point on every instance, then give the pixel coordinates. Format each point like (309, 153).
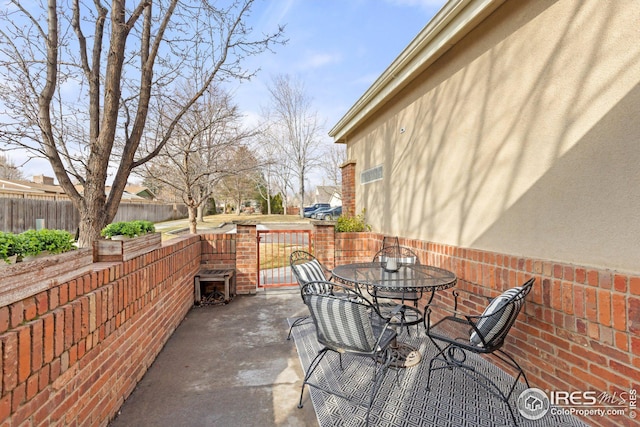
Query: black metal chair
(387, 299)
(306, 268)
(344, 325)
(400, 255)
(457, 334)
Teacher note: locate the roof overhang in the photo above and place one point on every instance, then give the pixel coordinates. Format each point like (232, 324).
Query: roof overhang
(456, 19)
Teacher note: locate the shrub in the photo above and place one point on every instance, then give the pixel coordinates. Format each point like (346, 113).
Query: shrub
(128, 228)
(10, 245)
(347, 223)
(34, 242)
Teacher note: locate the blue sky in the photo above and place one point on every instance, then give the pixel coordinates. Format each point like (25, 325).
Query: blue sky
(336, 47)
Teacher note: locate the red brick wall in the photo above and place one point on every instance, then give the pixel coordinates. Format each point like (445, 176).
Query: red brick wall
(580, 330)
(72, 354)
(218, 251)
(323, 239)
(356, 247)
(349, 188)
(246, 258)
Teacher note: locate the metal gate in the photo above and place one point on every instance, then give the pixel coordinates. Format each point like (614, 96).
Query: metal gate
(274, 248)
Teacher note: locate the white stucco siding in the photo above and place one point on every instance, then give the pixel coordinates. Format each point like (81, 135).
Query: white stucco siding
(522, 139)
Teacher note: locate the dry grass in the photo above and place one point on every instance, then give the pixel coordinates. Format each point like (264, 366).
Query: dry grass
(222, 218)
(215, 221)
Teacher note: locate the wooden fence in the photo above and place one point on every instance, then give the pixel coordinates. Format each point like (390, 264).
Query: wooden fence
(20, 214)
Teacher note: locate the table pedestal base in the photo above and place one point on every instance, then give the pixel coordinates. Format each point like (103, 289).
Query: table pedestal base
(404, 356)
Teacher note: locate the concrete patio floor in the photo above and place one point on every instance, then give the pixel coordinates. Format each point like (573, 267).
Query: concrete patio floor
(226, 365)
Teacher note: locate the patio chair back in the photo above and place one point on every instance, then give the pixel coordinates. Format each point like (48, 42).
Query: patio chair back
(402, 255)
(342, 317)
(492, 327)
(306, 268)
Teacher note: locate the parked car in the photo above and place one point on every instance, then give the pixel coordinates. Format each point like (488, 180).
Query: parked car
(314, 208)
(332, 213)
(317, 214)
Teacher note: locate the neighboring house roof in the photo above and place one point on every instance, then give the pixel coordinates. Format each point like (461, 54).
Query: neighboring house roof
(448, 26)
(21, 186)
(327, 193)
(132, 192)
(141, 191)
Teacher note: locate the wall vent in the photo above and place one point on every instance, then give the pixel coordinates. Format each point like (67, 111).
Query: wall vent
(371, 175)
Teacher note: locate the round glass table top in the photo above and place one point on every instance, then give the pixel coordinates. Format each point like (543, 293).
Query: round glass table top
(407, 276)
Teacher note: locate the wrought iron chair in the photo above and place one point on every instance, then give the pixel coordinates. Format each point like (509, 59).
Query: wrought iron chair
(344, 325)
(458, 334)
(306, 268)
(400, 255)
(387, 299)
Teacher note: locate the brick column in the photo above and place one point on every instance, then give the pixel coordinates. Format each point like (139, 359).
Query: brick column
(246, 258)
(324, 243)
(349, 188)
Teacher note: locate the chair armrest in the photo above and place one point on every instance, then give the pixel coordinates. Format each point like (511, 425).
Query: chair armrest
(400, 308)
(451, 312)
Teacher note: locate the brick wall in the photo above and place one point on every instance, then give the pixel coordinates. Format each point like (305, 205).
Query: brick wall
(349, 188)
(218, 251)
(580, 330)
(71, 355)
(246, 258)
(324, 243)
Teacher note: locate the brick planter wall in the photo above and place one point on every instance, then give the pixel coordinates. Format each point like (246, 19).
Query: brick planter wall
(70, 355)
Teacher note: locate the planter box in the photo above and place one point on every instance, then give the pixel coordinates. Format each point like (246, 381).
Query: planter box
(105, 250)
(24, 279)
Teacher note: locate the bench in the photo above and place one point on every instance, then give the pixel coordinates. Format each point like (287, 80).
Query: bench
(214, 276)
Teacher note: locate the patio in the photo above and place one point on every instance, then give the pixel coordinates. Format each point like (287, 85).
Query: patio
(231, 365)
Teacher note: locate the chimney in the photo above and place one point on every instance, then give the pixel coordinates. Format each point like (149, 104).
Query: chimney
(41, 179)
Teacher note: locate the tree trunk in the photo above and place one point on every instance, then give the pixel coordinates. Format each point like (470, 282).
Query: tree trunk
(193, 229)
(200, 216)
(301, 202)
(92, 221)
(268, 202)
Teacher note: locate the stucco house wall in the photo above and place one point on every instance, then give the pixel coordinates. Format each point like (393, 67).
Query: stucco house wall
(509, 127)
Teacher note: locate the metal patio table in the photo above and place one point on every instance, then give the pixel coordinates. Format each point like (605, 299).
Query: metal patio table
(370, 276)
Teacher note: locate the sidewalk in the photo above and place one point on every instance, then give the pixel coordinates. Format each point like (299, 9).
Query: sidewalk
(226, 365)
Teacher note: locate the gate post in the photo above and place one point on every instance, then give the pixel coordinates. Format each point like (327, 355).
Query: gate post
(246, 257)
(324, 242)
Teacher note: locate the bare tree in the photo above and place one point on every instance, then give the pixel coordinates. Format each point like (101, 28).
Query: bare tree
(335, 156)
(8, 169)
(272, 158)
(81, 78)
(199, 153)
(239, 186)
(296, 128)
